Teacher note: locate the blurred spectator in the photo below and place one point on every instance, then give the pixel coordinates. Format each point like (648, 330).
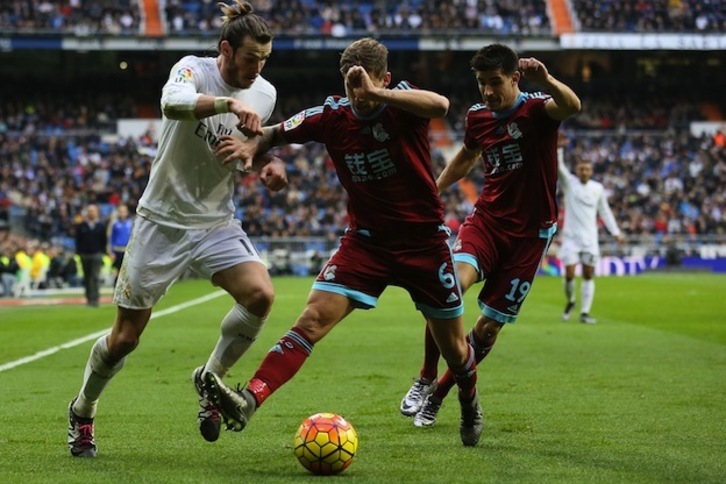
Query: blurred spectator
(8, 272)
(25, 263)
(119, 238)
(54, 277)
(72, 270)
(91, 244)
(40, 264)
(719, 139)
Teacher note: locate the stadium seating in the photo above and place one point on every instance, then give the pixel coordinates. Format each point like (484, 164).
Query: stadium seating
(348, 17)
(651, 16)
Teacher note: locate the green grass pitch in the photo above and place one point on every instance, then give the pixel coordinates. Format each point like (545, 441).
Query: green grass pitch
(639, 397)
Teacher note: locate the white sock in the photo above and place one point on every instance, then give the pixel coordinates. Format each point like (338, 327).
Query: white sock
(239, 330)
(570, 290)
(97, 375)
(588, 294)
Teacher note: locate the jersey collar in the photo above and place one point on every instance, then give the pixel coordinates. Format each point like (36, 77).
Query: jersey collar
(373, 115)
(505, 114)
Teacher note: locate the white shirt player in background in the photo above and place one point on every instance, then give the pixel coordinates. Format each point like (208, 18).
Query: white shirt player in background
(585, 200)
(186, 215)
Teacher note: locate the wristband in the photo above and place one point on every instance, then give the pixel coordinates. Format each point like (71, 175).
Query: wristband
(220, 105)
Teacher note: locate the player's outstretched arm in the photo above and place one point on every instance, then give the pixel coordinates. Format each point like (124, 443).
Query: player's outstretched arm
(564, 173)
(459, 166)
(565, 102)
(231, 149)
(184, 103)
(426, 104)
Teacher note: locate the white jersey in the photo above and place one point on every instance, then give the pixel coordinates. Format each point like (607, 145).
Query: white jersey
(583, 204)
(189, 187)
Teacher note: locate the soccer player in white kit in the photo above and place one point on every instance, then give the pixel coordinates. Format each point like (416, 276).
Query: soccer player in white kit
(186, 215)
(584, 200)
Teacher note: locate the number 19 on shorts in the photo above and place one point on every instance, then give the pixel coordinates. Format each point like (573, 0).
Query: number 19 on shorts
(519, 290)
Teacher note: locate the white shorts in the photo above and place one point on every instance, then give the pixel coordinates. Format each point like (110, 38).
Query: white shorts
(158, 255)
(572, 253)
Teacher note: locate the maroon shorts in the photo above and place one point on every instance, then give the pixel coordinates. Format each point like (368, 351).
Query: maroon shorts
(508, 264)
(363, 266)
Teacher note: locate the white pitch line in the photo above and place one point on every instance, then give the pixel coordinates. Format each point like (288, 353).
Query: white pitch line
(98, 334)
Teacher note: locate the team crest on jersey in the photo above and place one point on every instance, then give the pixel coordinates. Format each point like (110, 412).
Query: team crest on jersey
(295, 121)
(379, 133)
(184, 74)
(329, 274)
(514, 131)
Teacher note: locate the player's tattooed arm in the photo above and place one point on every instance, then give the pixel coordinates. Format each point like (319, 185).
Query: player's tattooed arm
(271, 137)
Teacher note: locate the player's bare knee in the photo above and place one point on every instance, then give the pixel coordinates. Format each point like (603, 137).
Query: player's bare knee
(258, 300)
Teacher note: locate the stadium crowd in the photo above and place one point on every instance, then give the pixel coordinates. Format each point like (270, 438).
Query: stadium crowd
(78, 17)
(58, 154)
(651, 16)
(286, 17)
(660, 185)
(338, 18)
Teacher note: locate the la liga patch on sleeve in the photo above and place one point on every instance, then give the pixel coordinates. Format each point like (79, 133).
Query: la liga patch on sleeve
(184, 74)
(294, 122)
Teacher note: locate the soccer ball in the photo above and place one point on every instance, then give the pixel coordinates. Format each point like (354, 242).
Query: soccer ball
(325, 444)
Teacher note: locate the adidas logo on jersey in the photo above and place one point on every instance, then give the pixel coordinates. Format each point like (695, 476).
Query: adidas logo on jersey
(452, 297)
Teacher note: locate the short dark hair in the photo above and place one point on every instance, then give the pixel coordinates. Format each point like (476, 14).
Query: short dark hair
(239, 22)
(582, 161)
(495, 56)
(368, 53)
